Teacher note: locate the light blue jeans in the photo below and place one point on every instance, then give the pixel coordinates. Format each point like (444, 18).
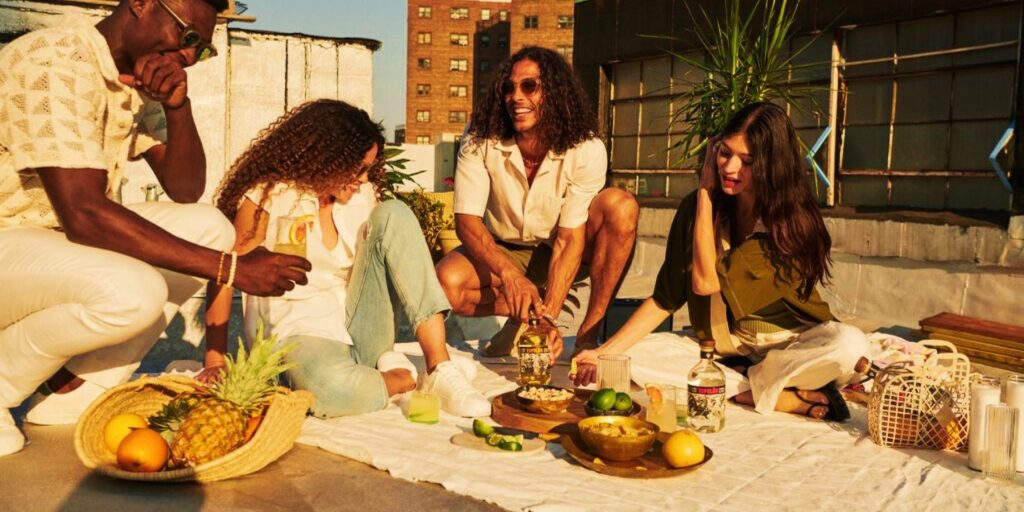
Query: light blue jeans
(392, 274)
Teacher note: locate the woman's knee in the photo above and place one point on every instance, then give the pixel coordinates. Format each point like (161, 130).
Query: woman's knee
(391, 212)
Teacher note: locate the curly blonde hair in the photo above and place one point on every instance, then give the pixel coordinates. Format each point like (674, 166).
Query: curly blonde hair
(316, 146)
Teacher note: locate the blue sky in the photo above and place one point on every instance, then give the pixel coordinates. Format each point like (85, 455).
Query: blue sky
(383, 20)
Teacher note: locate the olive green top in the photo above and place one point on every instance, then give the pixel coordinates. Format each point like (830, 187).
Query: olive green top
(751, 285)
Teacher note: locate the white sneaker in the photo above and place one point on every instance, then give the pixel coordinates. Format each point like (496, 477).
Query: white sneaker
(11, 439)
(391, 360)
(62, 409)
(458, 397)
(466, 364)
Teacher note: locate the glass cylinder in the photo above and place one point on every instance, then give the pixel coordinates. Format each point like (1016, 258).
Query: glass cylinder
(1015, 398)
(1000, 441)
(613, 372)
(984, 392)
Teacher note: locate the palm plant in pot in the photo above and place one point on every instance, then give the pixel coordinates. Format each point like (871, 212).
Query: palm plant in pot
(745, 58)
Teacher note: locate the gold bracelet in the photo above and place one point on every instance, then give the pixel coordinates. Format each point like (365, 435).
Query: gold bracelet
(220, 264)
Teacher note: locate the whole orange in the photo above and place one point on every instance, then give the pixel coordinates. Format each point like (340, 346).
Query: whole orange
(142, 451)
(119, 427)
(683, 449)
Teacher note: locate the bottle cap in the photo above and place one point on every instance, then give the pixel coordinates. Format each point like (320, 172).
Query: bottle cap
(707, 345)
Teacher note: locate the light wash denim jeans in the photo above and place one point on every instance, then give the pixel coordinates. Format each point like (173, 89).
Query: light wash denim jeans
(393, 274)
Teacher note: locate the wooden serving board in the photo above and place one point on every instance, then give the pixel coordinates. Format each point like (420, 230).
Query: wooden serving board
(506, 410)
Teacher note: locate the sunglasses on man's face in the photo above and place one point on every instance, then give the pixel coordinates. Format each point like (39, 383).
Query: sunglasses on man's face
(528, 86)
(190, 37)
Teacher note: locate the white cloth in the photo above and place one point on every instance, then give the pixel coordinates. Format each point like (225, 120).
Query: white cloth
(61, 105)
(318, 308)
(490, 182)
(94, 311)
(778, 462)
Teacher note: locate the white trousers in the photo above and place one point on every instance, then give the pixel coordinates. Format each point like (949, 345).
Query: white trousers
(93, 311)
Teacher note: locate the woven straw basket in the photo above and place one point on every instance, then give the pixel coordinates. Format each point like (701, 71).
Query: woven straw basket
(922, 405)
(147, 395)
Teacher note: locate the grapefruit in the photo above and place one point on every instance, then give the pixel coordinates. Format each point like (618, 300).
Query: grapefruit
(682, 449)
(142, 451)
(119, 427)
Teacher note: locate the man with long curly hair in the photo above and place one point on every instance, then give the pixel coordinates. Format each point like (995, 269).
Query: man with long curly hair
(88, 284)
(529, 204)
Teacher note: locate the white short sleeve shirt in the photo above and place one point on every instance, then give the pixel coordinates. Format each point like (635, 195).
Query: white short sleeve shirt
(490, 182)
(61, 105)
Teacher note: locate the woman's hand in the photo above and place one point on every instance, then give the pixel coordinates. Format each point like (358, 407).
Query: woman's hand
(709, 173)
(586, 367)
(210, 374)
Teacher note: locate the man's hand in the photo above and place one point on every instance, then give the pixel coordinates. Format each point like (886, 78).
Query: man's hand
(554, 341)
(161, 77)
(521, 295)
(264, 273)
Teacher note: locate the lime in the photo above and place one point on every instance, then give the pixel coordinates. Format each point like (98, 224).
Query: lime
(603, 400)
(511, 446)
(494, 439)
(623, 402)
(481, 429)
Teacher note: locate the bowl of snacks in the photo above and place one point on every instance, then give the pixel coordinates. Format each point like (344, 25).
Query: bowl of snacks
(606, 402)
(618, 438)
(544, 399)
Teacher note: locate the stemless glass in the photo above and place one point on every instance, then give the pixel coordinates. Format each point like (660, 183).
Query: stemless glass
(661, 406)
(289, 240)
(1015, 398)
(613, 372)
(1001, 442)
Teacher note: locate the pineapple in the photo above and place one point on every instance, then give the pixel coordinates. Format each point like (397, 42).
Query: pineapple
(216, 424)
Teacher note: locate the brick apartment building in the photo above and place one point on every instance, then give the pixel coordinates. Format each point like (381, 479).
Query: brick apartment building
(455, 47)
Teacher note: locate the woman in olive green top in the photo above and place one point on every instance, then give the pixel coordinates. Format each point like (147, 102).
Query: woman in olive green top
(745, 253)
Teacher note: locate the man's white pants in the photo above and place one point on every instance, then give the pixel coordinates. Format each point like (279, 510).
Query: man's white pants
(93, 311)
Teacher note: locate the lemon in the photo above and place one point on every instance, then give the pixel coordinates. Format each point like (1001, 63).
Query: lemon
(119, 427)
(683, 448)
(623, 402)
(603, 399)
(481, 429)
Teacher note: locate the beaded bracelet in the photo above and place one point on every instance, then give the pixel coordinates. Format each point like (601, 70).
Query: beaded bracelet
(234, 266)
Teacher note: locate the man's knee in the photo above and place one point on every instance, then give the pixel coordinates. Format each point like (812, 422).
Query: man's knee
(208, 226)
(619, 209)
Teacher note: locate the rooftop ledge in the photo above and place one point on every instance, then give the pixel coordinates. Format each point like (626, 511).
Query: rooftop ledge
(978, 238)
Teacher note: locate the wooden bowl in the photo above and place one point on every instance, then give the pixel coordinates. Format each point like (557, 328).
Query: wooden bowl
(618, 448)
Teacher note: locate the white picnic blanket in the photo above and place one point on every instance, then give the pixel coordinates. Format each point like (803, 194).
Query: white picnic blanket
(773, 462)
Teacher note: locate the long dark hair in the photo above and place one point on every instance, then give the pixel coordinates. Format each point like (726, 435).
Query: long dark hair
(567, 117)
(316, 145)
(799, 241)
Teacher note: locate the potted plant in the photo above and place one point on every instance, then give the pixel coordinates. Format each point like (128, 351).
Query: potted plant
(746, 58)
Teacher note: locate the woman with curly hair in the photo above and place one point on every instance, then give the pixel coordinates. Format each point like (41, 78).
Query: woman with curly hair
(746, 252)
(310, 178)
(529, 205)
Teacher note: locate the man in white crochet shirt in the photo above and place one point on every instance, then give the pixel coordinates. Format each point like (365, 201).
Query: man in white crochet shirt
(88, 285)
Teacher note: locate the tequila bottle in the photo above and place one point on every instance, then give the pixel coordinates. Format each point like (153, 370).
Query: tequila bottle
(534, 355)
(705, 395)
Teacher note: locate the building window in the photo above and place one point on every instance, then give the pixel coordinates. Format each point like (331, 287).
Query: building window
(485, 40)
(422, 89)
(485, 14)
(457, 116)
(423, 63)
(457, 91)
(565, 21)
(460, 39)
(423, 11)
(565, 51)
(423, 139)
(502, 41)
(457, 65)
(423, 116)
(485, 65)
(423, 38)
(460, 13)
(502, 15)
(529, 22)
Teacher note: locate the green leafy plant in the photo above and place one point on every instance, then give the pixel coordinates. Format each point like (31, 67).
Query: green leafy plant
(429, 213)
(395, 175)
(746, 59)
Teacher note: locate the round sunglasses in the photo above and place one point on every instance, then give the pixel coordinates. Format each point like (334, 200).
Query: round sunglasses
(528, 86)
(190, 37)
